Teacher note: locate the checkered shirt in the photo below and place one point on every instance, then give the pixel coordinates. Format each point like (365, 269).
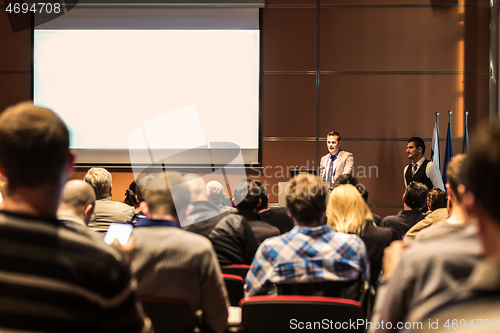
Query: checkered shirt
(304, 255)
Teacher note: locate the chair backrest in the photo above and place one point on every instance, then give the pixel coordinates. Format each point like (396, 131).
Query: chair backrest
(234, 286)
(343, 289)
(263, 314)
(240, 270)
(358, 290)
(169, 315)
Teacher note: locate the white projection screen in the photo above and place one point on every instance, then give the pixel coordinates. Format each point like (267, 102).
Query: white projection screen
(153, 85)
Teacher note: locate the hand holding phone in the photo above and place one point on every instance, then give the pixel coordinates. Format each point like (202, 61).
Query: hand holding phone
(120, 231)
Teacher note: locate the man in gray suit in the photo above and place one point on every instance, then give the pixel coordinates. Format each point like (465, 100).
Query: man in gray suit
(337, 162)
(106, 210)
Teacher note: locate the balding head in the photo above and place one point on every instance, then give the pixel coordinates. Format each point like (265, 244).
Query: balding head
(196, 187)
(78, 198)
(215, 192)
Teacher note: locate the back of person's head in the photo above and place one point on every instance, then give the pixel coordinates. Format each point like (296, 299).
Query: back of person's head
(419, 142)
(197, 187)
(215, 192)
(130, 194)
(100, 180)
(436, 198)
(167, 194)
(480, 169)
(306, 198)
(349, 179)
(264, 201)
(346, 179)
(453, 174)
(141, 185)
(246, 195)
(76, 195)
(416, 195)
(34, 146)
(347, 211)
(334, 133)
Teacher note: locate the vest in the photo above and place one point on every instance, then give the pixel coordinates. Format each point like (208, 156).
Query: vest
(420, 176)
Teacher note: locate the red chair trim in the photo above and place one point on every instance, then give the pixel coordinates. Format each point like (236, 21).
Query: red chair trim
(237, 265)
(300, 299)
(232, 276)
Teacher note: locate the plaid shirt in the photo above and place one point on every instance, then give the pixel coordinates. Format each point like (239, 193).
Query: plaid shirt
(306, 255)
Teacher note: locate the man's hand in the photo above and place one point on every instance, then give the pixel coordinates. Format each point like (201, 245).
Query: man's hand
(128, 250)
(392, 255)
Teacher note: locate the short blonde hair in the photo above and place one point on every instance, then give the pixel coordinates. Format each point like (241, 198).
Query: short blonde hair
(347, 211)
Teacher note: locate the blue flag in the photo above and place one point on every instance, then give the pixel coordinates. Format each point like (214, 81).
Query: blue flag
(435, 152)
(448, 154)
(465, 147)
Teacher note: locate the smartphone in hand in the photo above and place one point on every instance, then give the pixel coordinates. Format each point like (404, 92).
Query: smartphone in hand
(120, 231)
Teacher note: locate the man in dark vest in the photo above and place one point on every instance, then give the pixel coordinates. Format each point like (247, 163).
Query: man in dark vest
(420, 169)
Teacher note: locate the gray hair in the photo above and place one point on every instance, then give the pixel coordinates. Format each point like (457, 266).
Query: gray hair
(100, 180)
(215, 192)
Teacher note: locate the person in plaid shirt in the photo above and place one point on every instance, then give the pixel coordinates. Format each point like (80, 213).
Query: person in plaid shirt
(311, 251)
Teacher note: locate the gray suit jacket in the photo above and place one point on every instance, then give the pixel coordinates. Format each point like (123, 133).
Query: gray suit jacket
(343, 165)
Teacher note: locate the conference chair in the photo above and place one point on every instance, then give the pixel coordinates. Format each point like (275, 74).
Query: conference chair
(358, 290)
(234, 286)
(240, 270)
(290, 313)
(169, 315)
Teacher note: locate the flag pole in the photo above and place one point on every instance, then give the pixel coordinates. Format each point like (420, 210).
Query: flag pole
(465, 145)
(449, 120)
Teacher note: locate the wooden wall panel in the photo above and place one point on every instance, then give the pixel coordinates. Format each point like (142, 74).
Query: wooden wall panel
(16, 47)
(391, 39)
(391, 106)
(289, 40)
(476, 39)
(14, 88)
(289, 105)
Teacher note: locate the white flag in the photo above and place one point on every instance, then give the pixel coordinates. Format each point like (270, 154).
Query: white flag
(435, 154)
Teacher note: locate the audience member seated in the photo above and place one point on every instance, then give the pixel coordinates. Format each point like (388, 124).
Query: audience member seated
(203, 210)
(216, 195)
(76, 207)
(414, 199)
(277, 217)
(476, 302)
(349, 179)
(139, 197)
(247, 200)
(348, 213)
(173, 263)
(130, 196)
(106, 210)
(457, 220)
(53, 279)
(324, 255)
(428, 268)
(438, 212)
